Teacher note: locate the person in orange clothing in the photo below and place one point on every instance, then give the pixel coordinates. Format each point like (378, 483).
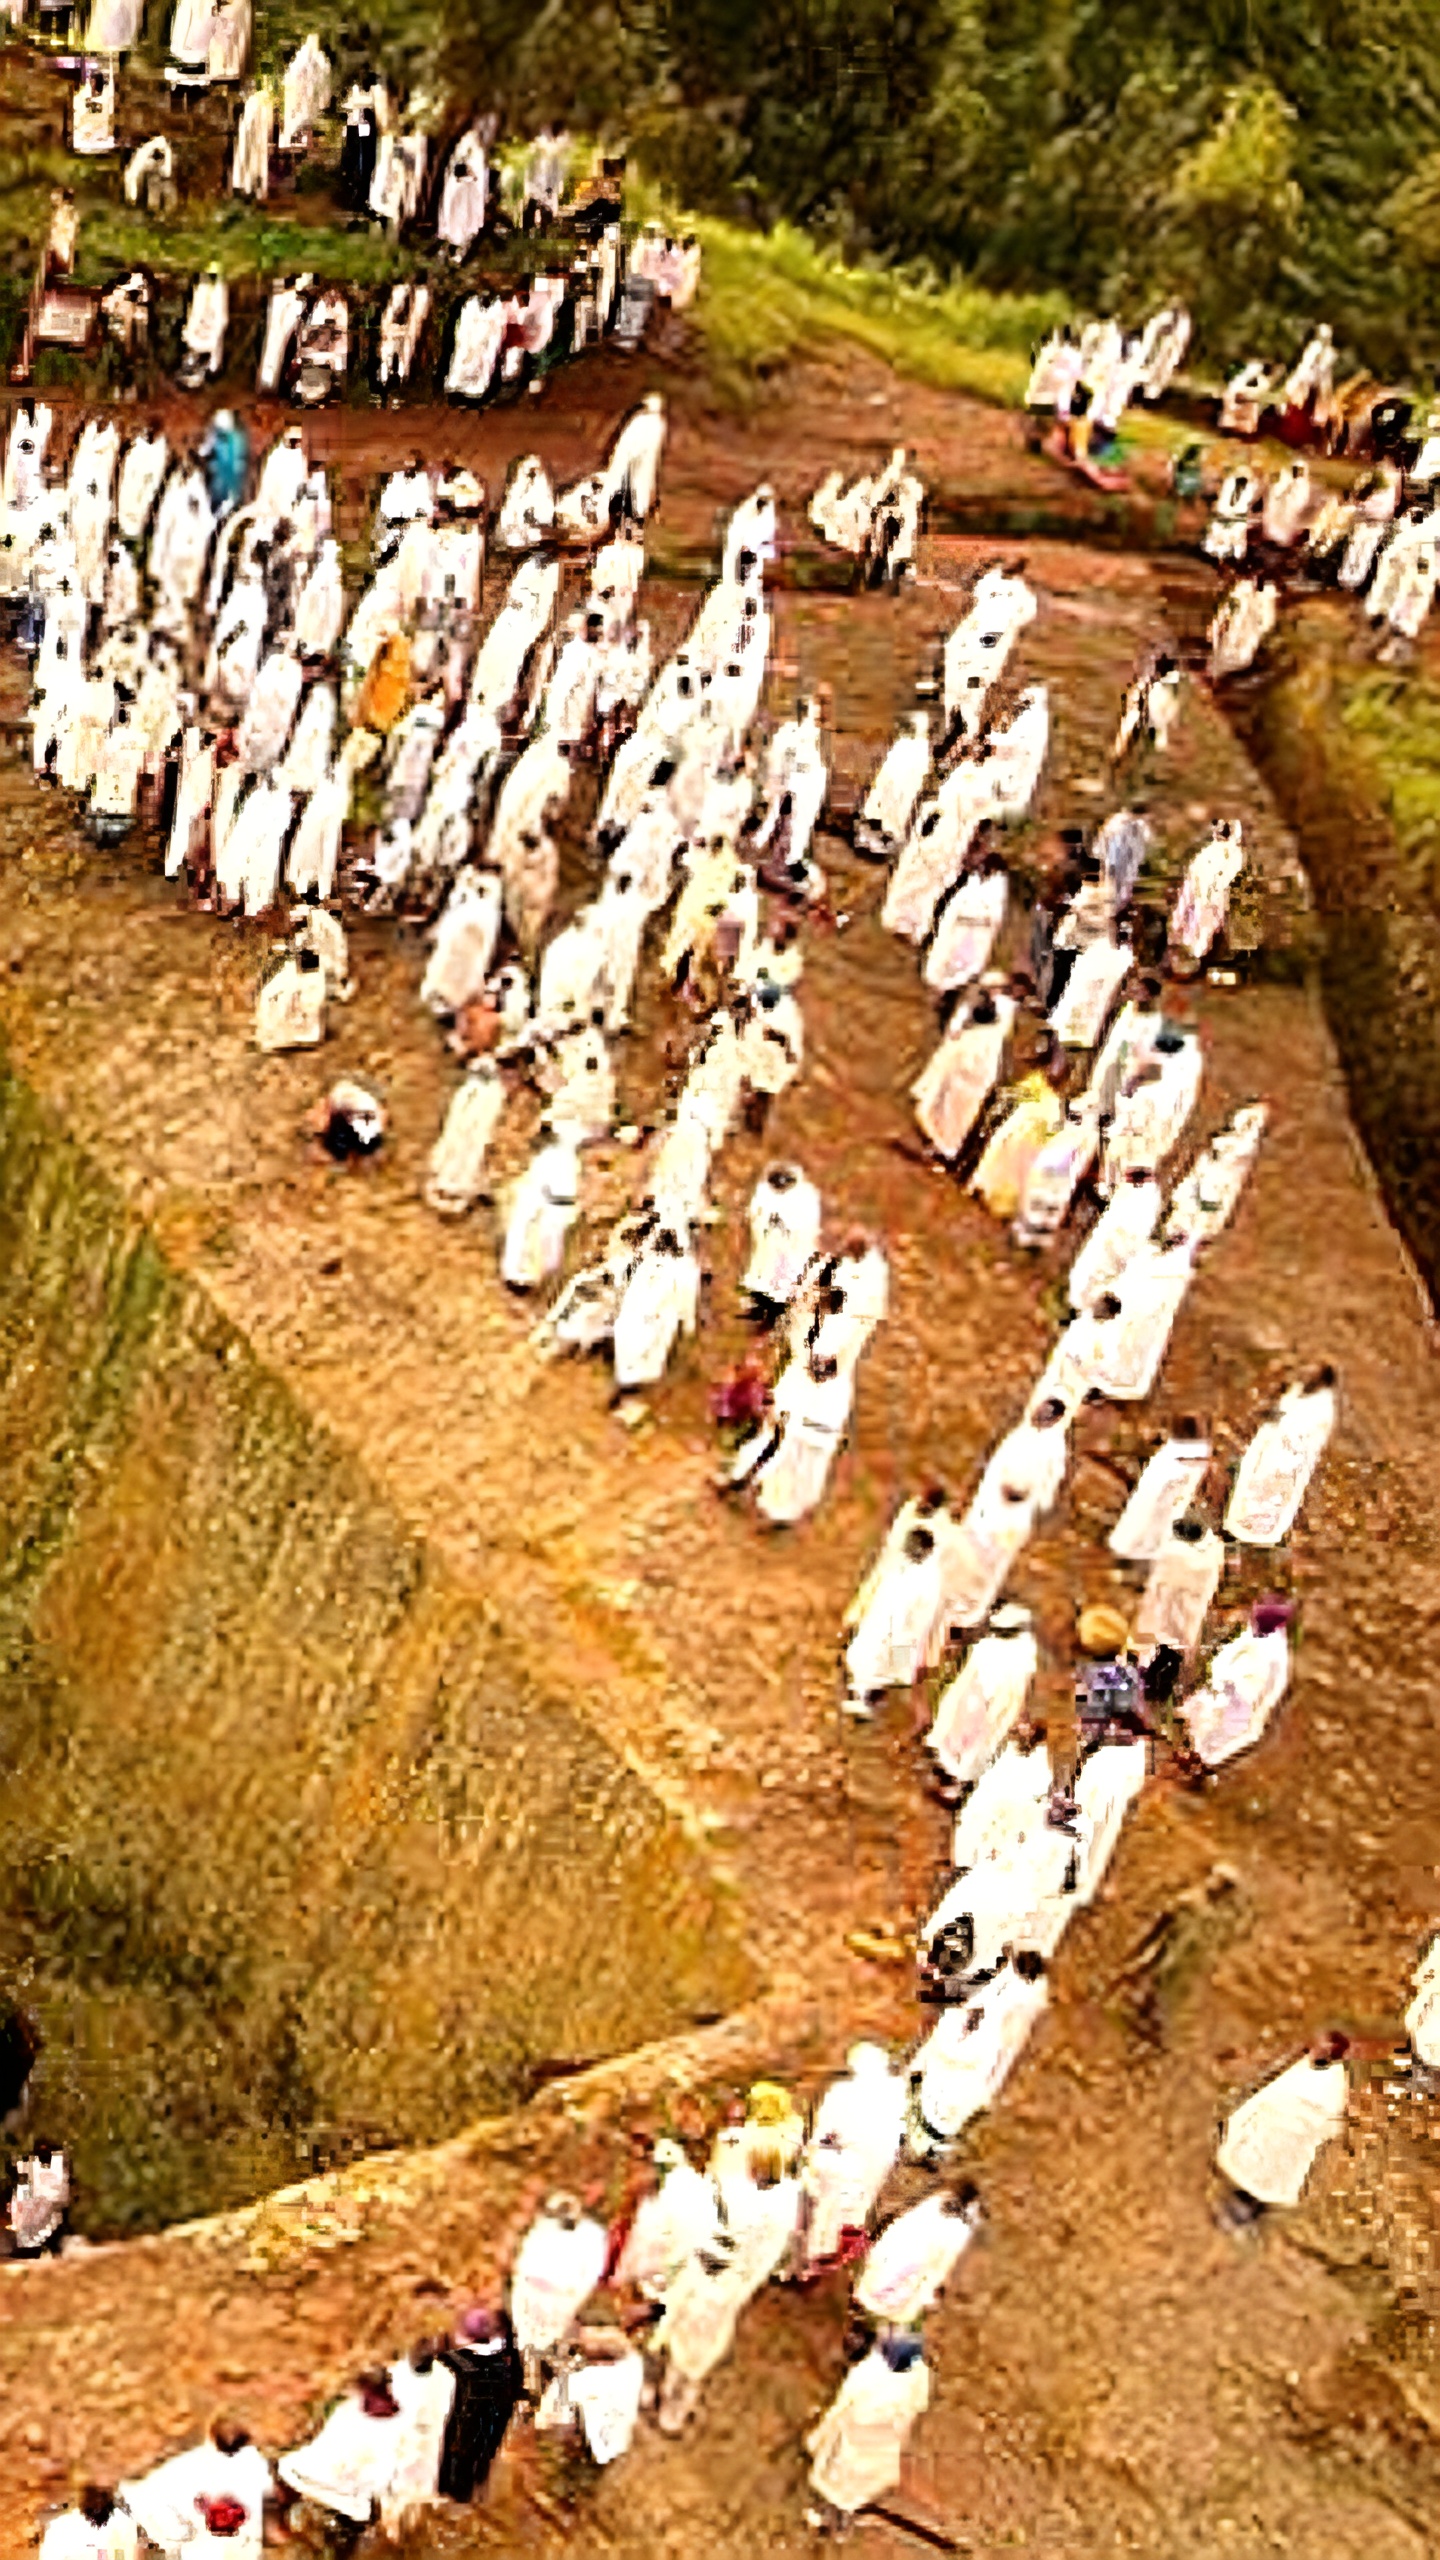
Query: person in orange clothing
(385, 694)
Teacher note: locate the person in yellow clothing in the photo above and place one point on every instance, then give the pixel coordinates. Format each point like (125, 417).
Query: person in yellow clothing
(1035, 1113)
(385, 695)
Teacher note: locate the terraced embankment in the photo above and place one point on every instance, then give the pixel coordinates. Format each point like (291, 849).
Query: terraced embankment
(293, 1851)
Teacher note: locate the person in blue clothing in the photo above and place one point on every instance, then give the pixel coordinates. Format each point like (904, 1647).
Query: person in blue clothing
(225, 456)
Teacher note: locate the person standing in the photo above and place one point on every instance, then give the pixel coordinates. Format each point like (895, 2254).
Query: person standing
(857, 2448)
(489, 2376)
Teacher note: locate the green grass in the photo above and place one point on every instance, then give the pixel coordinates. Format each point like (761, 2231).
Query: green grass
(1394, 721)
(767, 296)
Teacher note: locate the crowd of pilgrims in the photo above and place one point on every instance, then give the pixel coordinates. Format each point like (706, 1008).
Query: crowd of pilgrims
(393, 169)
(195, 653)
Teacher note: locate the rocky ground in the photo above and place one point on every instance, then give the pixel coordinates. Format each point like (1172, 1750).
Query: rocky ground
(1112, 2374)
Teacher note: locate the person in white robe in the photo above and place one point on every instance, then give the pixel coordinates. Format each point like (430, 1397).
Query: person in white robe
(307, 758)
(290, 1008)
(618, 919)
(906, 2269)
(1272, 2141)
(1202, 1205)
(1007, 1803)
(527, 511)
(1109, 1780)
(1032, 1460)
(479, 333)
(543, 1207)
(796, 781)
(230, 32)
(632, 470)
(283, 314)
(1151, 1115)
(56, 705)
(1151, 1290)
(1287, 504)
(85, 732)
(1078, 1019)
(1247, 395)
(1203, 902)
(305, 92)
(750, 537)
(558, 2265)
(711, 1091)
(1237, 506)
(463, 949)
(598, 2391)
(315, 845)
(567, 989)
(95, 2528)
(957, 1081)
(320, 606)
(1151, 707)
(888, 809)
(977, 1712)
(456, 1178)
(90, 533)
(23, 477)
(424, 2389)
(346, 2470)
(679, 1169)
(1169, 1482)
(142, 475)
(116, 780)
(669, 2226)
(169, 2503)
(1240, 627)
(233, 664)
(934, 853)
(269, 712)
(772, 1048)
(1018, 752)
(184, 525)
(1054, 1175)
(972, 2049)
(580, 1081)
(790, 1457)
(968, 921)
(195, 789)
(1274, 1474)
(1415, 589)
(206, 321)
(661, 1300)
(891, 1642)
(521, 847)
(36, 2207)
(250, 166)
(784, 1217)
(857, 2449)
(1245, 1682)
(853, 2146)
(1128, 1221)
(975, 655)
(247, 865)
(703, 2307)
(461, 217)
(92, 115)
(977, 1555)
(1181, 1585)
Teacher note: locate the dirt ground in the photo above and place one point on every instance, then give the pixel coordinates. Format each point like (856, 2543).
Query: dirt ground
(1112, 2374)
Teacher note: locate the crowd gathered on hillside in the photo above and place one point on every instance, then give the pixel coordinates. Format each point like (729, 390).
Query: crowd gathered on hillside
(211, 684)
(203, 680)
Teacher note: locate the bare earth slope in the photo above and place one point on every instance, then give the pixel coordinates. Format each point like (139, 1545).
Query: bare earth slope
(1112, 2375)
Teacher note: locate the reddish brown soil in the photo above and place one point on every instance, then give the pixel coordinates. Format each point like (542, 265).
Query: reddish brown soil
(1112, 2374)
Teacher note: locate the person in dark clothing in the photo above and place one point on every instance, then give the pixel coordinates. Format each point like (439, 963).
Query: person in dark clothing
(489, 2379)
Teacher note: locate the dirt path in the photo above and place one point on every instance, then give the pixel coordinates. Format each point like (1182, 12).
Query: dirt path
(1112, 2375)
